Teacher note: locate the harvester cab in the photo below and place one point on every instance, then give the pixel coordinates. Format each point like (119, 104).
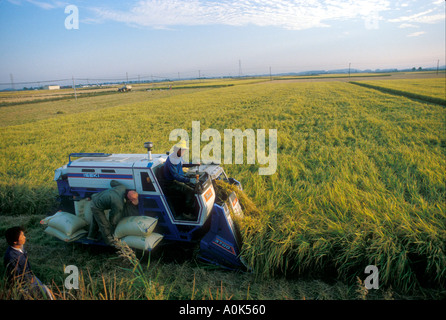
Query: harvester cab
(212, 226)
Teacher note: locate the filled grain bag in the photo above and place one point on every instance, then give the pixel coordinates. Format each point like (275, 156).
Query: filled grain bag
(143, 243)
(65, 222)
(140, 226)
(83, 210)
(62, 236)
(47, 219)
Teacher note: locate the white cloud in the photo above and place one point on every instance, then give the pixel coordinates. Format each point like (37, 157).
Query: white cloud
(43, 5)
(295, 15)
(407, 25)
(16, 2)
(47, 5)
(422, 17)
(416, 34)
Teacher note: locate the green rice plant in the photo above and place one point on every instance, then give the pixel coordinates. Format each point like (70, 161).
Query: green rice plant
(432, 88)
(152, 290)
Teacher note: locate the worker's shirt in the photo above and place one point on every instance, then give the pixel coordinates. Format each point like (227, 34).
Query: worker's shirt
(112, 199)
(174, 171)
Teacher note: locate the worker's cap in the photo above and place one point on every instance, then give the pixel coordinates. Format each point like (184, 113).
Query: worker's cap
(133, 197)
(182, 144)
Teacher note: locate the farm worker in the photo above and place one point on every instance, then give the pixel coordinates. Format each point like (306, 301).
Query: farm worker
(113, 199)
(173, 181)
(18, 268)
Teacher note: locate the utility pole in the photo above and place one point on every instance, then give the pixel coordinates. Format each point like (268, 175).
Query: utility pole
(240, 68)
(349, 64)
(270, 76)
(438, 65)
(74, 88)
(127, 76)
(12, 81)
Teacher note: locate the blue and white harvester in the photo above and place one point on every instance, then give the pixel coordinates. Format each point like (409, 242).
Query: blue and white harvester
(213, 227)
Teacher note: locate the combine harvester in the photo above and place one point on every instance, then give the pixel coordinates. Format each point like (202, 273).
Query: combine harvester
(125, 88)
(213, 228)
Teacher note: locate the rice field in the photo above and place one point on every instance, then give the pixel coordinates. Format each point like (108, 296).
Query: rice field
(434, 88)
(360, 178)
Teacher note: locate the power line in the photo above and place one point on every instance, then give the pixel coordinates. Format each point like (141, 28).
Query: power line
(152, 77)
(139, 77)
(41, 81)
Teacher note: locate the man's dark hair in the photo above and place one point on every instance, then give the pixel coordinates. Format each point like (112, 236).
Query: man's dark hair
(12, 234)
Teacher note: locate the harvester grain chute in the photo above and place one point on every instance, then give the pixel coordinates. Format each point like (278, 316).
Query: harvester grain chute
(212, 228)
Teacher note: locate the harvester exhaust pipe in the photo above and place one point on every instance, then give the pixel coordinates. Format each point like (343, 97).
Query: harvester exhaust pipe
(149, 146)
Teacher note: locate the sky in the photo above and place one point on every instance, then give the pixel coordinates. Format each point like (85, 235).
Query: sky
(92, 41)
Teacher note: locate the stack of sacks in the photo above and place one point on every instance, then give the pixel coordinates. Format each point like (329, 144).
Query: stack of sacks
(137, 232)
(65, 226)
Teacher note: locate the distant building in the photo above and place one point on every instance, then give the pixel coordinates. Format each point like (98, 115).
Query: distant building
(52, 87)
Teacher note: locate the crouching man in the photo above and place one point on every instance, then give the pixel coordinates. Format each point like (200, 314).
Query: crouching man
(113, 199)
